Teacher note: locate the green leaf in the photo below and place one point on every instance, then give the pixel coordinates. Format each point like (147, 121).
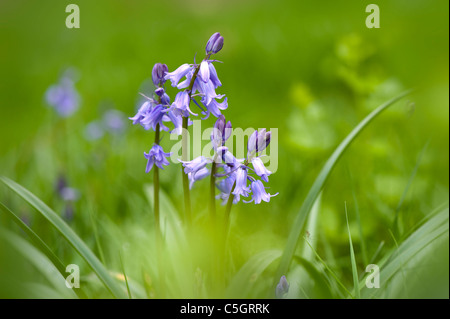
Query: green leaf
(76, 242)
(424, 254)
(41, 263)
(352, 257)
(316, 188)
(40, 244)
(245, 278)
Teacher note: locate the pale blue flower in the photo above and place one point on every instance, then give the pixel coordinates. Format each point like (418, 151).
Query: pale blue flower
(196, 164)
(113, 121)
(156, 116)
(197, 175)
(143, 111)
(178, 74)
(259, 193)
(257, 142)
(282, 287)
(156, 156)
(260, 169)
(63, 97)
(94, 131)
(221, 132)
(241, 184)
(158, 74)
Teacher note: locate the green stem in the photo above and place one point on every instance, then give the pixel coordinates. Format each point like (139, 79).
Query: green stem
(187, 195)
(184, 155)
(156, 189)
(212, 195)
(226, 220)
(156, 209)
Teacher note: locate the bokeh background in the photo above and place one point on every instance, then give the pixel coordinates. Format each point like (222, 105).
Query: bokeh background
(311, 69)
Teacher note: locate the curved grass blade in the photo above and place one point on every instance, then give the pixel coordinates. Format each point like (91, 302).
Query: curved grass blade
(402, 259)
(76, 242)
(41, 263)
(40, 244)
(330, 271)
(320, 280)
(352, 257)
(300, 219)
(125, 276)
(242, 282)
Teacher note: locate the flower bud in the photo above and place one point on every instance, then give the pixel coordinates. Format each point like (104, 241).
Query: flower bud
(215, 43)
(258, 142)
(158, 73)
(282, 287)
(221, 132)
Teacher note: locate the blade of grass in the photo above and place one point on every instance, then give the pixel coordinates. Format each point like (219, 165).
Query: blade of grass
(352, 257)
(377, 252)
(408, 185)
(330, 271)
(76, 242)
(125, 276)
(300, 219)
(97, 238)
(40, 244)
(40, 262)
(358, 220)
(421, 238)
(241, 283)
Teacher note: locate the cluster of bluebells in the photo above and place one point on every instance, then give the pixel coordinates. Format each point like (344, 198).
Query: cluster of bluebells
(153, 113)
(205, 83)
(198, 83)
(236, 173)
(156, 111)
(62, 96)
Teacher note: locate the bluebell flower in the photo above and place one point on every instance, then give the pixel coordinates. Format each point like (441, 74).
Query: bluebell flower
(257, 142)
(181, 104)
(63, 97)
(156, 156)
(214, 107)
(158, 74)
(225, 186)
(204, 71)
(241, 184)
(197, 175)
(196, 164)
(229, 159)
(260, 169)
(94, 131)
(70, 194)
(143, 111)
(196, 169)
(282, 287)
(156, 116)
(113, 121)
(259, 193)
(161, 93)
(178, 74)
(177, 121)
(213, 76)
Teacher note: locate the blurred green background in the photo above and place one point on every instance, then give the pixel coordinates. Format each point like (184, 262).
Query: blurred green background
(311, 69)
